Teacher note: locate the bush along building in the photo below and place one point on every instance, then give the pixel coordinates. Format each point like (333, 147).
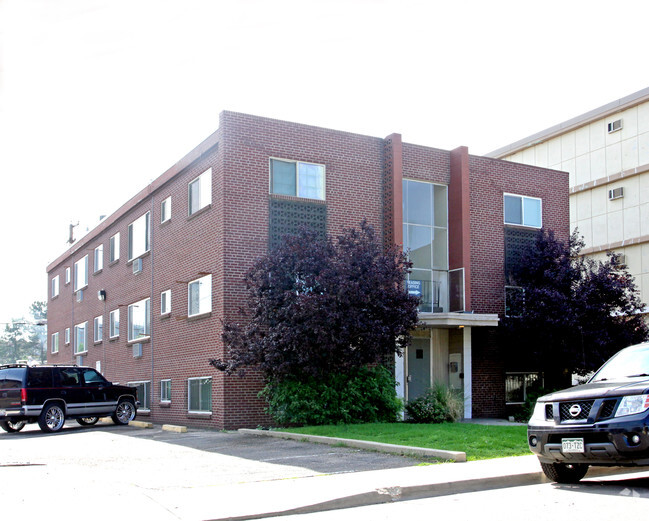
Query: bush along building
(144, 295)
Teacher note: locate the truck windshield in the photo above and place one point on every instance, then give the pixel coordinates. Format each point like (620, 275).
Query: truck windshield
(630, 362)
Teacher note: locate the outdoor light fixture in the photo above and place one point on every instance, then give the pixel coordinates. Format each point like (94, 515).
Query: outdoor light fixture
(101, 294)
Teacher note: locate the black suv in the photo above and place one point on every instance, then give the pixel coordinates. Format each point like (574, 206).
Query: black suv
(50, 394)
(604, 422)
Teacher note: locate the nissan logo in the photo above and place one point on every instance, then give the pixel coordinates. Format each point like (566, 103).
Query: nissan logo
(575, 410)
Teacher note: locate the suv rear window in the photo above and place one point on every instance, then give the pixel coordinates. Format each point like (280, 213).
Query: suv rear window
(39, 377)
(12, 377)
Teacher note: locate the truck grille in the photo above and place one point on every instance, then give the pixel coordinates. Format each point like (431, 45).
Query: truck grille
(575, 411)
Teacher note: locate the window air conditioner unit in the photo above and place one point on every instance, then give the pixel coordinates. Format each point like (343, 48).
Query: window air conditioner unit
(614, 126)
(619, 259)
(80, 295)
(137, 350)
(616, 193)
(137, 266)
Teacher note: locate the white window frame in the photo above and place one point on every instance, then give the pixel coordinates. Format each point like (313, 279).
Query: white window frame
(55, 343)
(68, 275)
(524, 198)
(145, 396)
(297, 177)
(55, 286)
(113, 324)
(67, 336)
(144, 305)
(204, 287)
(204, 184)
(113, 247)
(165, 302)
(165, 397)
(189, 395)
(139, 236)
(99, 258)
(165, 210)
(98, 328)
(81, 273)
(81, 330)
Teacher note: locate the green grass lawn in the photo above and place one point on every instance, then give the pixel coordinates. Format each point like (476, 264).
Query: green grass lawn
(478, 441)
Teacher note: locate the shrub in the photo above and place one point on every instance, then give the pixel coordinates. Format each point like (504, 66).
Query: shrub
(365, 395)
(438, 405)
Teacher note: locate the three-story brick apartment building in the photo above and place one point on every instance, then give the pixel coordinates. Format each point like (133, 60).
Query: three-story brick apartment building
(143, 295)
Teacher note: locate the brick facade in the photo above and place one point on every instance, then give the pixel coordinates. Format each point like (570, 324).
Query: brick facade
(363, 181)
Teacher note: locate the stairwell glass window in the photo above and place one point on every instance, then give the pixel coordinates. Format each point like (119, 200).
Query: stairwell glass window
(200, 296)
(55, 343)
(165, 210)
(113, 247)
(113, 323)
(200, 192)
(80, 338)
(523, 211)
(99, 258)
(165, 391)
(81, 273)
(199, 393)
(138, 237)
(139, 320)
(165, 302)
(297, 178)
(99, 328)
(55, 286)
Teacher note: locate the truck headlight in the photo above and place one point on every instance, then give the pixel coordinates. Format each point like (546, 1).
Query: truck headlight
(633, 405)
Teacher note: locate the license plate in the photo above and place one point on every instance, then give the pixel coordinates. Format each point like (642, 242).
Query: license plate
(572, 445)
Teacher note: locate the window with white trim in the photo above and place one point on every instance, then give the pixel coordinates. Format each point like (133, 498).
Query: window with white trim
(297, 178)
(139, 320)
(113, 323)
(165, 391)
(199, 394)
(165, 210)
(143, 394)
(200, 192)
(67, 275)
(165, 302)
(113, 247)
(522, 210)
(55, 286)
(99, 258)
(200, 296)
(55, 343)
(138, 236)
(67, 336)
(81, 273)
(80, 338)
(99, 328)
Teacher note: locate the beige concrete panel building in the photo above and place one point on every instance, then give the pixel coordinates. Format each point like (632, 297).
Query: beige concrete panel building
(606, 153)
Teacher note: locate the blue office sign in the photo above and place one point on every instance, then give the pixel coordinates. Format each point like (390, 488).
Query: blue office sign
(414, 287)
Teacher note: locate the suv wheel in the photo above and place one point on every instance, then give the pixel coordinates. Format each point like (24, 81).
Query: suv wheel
(124, 413)
(10, 426)
(52, 418)
(89, 420)
(564, 472)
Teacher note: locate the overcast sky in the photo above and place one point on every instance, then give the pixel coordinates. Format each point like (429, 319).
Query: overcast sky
(100, 97)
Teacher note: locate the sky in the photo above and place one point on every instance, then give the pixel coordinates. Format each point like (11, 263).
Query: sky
(100, 97)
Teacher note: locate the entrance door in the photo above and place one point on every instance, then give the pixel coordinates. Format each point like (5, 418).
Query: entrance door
(418, 368)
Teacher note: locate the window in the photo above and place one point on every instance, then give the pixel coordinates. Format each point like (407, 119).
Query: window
(139, 322)
(55, 286)
(425, 239)
(67, 336)
(297, 178)
(524, 211)
(165, 210)
(80, 338)
(67, 275)
(113, 246)
(200, 192)
(143, 394)
(99, 258)
(81, 274)
(199, 393)
(113, 323)
(165, 302)
(55, 343)
(519, 385)
(138, 237)
(99, 328)
(165, 391)
(200, 296)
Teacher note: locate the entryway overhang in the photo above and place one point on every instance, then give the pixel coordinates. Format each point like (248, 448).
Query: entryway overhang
(459, 319)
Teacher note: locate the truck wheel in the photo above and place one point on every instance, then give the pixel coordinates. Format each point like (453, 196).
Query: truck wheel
(10, 426)
(124, 413)
(52, 418)
(564, 472)
(89, 420)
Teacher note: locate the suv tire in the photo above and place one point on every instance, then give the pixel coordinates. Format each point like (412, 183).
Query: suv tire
(52, 418)
(88, 420)
(10, 426)
(564, 472)
(124, 413)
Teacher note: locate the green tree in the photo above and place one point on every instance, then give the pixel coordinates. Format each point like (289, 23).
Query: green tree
(25, 338)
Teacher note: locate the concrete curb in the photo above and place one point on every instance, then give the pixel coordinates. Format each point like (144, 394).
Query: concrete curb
(402, 450)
